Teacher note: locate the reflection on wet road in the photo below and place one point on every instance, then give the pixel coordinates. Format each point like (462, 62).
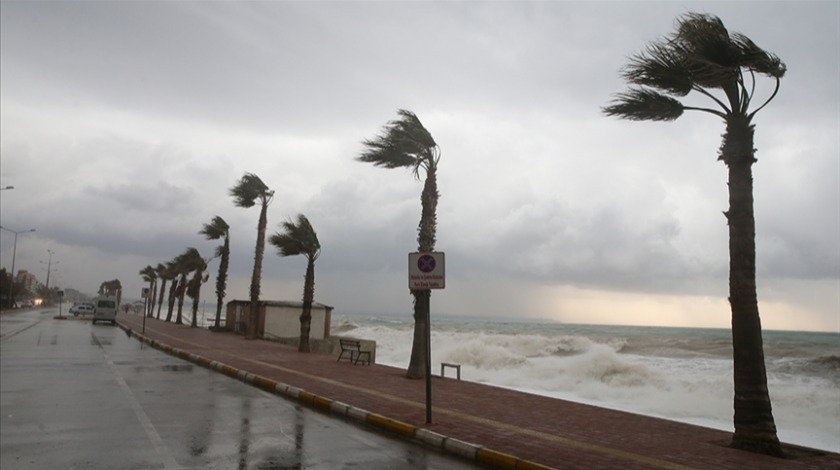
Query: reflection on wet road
(75, 395)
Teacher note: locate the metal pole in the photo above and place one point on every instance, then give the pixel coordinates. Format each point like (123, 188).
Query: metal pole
(428, 300)
(145, 304)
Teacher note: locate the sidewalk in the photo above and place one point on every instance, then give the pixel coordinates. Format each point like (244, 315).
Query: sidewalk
(498, 427)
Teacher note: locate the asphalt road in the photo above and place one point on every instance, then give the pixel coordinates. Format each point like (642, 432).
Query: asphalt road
(79, 396)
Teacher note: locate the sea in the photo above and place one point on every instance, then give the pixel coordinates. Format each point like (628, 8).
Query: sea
(679, 374)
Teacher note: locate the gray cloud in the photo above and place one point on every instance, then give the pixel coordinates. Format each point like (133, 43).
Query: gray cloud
(125, 124)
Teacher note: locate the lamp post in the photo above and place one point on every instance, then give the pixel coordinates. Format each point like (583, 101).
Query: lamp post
(49, 269)
(14, 254)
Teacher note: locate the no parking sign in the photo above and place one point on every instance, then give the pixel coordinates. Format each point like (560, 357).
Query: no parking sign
(426, 271)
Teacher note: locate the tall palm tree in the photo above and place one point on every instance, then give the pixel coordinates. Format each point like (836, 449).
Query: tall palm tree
(174, 272)
(164, 276)
(405, 143)
(249, 191)
(149, 275)
(703, 57)
(300, 239)
(215, 230)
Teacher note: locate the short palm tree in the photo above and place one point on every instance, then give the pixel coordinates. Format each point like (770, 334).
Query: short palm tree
(215, 230)
(149, 275)
(190, 261)
(194, 287)
(405, 143)
(703, 57)
(249, 191)
(300, 239)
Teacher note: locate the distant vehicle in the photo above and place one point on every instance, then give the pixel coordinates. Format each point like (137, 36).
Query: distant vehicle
(82, 309)
(105, 309)
(26, 304)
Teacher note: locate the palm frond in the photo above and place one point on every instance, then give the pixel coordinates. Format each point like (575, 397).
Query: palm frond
(757, 59)
(248, 190)
(296, 238)
(639, 104)
(215, 229)
(403, 143)
(659, 67)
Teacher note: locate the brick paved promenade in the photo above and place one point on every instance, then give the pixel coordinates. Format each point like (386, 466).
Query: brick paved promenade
(502, 428)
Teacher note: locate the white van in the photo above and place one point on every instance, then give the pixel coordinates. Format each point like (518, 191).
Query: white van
(105, 309)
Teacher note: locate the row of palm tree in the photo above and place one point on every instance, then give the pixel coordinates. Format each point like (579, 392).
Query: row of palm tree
(112, 288)
(297, 238)
(177, 270)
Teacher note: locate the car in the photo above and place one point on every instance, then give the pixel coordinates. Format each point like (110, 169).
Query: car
(82, 309)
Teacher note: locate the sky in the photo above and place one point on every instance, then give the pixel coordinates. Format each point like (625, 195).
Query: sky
(123, 125)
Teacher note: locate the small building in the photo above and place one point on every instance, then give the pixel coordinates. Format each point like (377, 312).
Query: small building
(279, 319)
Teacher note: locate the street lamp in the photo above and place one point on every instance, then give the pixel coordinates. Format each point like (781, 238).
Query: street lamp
(14, 253)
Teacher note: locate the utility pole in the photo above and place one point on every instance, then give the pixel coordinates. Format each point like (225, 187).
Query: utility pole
(49, 269)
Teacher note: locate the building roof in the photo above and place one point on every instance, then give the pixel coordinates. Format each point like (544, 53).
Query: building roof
(281, 303)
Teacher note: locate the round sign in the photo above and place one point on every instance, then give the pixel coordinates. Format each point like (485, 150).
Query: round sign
(426, 263)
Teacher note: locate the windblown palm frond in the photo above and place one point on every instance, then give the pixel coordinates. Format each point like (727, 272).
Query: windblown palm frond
(249, 189)
(297, 239)
(641, 104)
(404, 143)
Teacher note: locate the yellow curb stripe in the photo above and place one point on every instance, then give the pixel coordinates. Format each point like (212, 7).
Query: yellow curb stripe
(496, 459)
(392, 425)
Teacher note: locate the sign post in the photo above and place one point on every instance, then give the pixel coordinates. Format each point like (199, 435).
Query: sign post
(145, 294)
(426, 271)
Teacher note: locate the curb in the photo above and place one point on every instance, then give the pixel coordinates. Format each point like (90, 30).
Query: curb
(445, 444)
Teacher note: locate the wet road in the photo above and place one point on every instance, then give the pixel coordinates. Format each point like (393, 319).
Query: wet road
(78, 396)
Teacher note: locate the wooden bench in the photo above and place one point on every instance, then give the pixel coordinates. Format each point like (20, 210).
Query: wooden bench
(457, 368)
(354, 350)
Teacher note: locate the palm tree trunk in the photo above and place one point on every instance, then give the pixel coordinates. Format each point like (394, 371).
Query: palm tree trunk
(255, 276)
(182, 290)
(755, 429)
(308, 298)
(426, 243)
(150, 310)
(221, 282)
(197, 286)
(417, 363)
(160, 299)
(173, 294)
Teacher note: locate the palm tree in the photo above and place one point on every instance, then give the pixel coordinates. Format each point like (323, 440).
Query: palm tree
(190, 261)
(703, 57)
(149, 275)
(194, 286)
(248, 191)
(405, 143)
(173, 271)
(164, 275)
(215, 230)
(300, 239)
